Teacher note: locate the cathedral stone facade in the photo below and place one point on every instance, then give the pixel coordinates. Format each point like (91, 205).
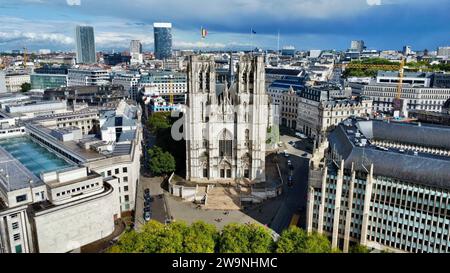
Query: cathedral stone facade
(226, 121)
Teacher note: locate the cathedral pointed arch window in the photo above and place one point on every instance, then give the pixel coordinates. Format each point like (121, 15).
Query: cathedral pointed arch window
(246, 164)
(225, 144)
(247, 138)
(251, 82)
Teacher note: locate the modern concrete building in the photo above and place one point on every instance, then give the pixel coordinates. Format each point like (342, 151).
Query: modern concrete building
(79, 187)
(357, 45)
(226, 123)
(130, 81)
(443, 51)
(418, 93)
(162, 40)
(164, 83)
(87, 76)
(13, 81)
(85, 44)
(383, 185)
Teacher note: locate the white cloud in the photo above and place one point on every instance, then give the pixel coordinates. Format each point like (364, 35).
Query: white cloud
(35, 37)
(73, 2)
(373, 2)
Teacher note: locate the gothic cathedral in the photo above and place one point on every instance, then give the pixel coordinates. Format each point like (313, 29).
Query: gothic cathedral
(226, 121)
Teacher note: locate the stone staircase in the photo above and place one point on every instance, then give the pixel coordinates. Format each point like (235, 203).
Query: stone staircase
(223, 198)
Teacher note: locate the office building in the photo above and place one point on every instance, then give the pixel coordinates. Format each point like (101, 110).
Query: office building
(130, 81)
(289, 107)
(85, 45)
(136, 52)
(443, 51)
(87, 76)
(278, 87)
(13, 81)
(418, 92)
(383, 185)
(166, 83)
(81, 186)
(116, 58)
(162, 40)
(322, 107)
(97, 95)
(46, 81)
(288, 51)
(357, 45)
(135, 46)
(406, 50)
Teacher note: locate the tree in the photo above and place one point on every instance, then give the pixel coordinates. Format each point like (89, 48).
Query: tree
(160, 162)
(25, 87)
(292, 240)
(252, 238)
(200, 238)
(317, 243)
(158, 121)
(296, 240)
(128, 243)
(359, 249)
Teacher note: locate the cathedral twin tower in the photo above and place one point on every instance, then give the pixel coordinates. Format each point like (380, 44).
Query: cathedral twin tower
(226, 121)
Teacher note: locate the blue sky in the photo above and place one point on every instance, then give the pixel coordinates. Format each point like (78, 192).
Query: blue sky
(306, 24)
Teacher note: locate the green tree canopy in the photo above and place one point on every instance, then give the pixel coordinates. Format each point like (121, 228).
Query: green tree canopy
(176, 237)
(359, 249)
(292, 240)
(158, 121)
(25, 87)
(200, 238)
(160, 162)
(252, 238)
(296, 240)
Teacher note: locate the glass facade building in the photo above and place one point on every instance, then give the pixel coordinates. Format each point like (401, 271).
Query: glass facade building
(163, 40)
(381, 188)
(85, 44)
(47, 81)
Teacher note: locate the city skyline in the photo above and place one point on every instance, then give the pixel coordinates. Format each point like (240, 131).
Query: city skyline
(331, 24)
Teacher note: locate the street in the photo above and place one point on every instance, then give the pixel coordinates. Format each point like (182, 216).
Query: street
(159, 211)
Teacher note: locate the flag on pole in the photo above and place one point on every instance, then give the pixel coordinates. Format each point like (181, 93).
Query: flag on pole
(204, 32)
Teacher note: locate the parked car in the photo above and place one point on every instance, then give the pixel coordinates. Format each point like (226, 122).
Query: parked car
(147, 192)
(305, 154)
(147, 216)
(147, 209)
(286, 153)
(289, 162)
(146, 203)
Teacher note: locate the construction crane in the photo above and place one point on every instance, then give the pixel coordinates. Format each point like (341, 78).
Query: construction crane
(171, 92)
(397, 101)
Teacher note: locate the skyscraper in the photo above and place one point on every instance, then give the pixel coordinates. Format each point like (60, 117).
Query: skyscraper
(357, 45)
(163, 40)
(135, 46)
(85, 44)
